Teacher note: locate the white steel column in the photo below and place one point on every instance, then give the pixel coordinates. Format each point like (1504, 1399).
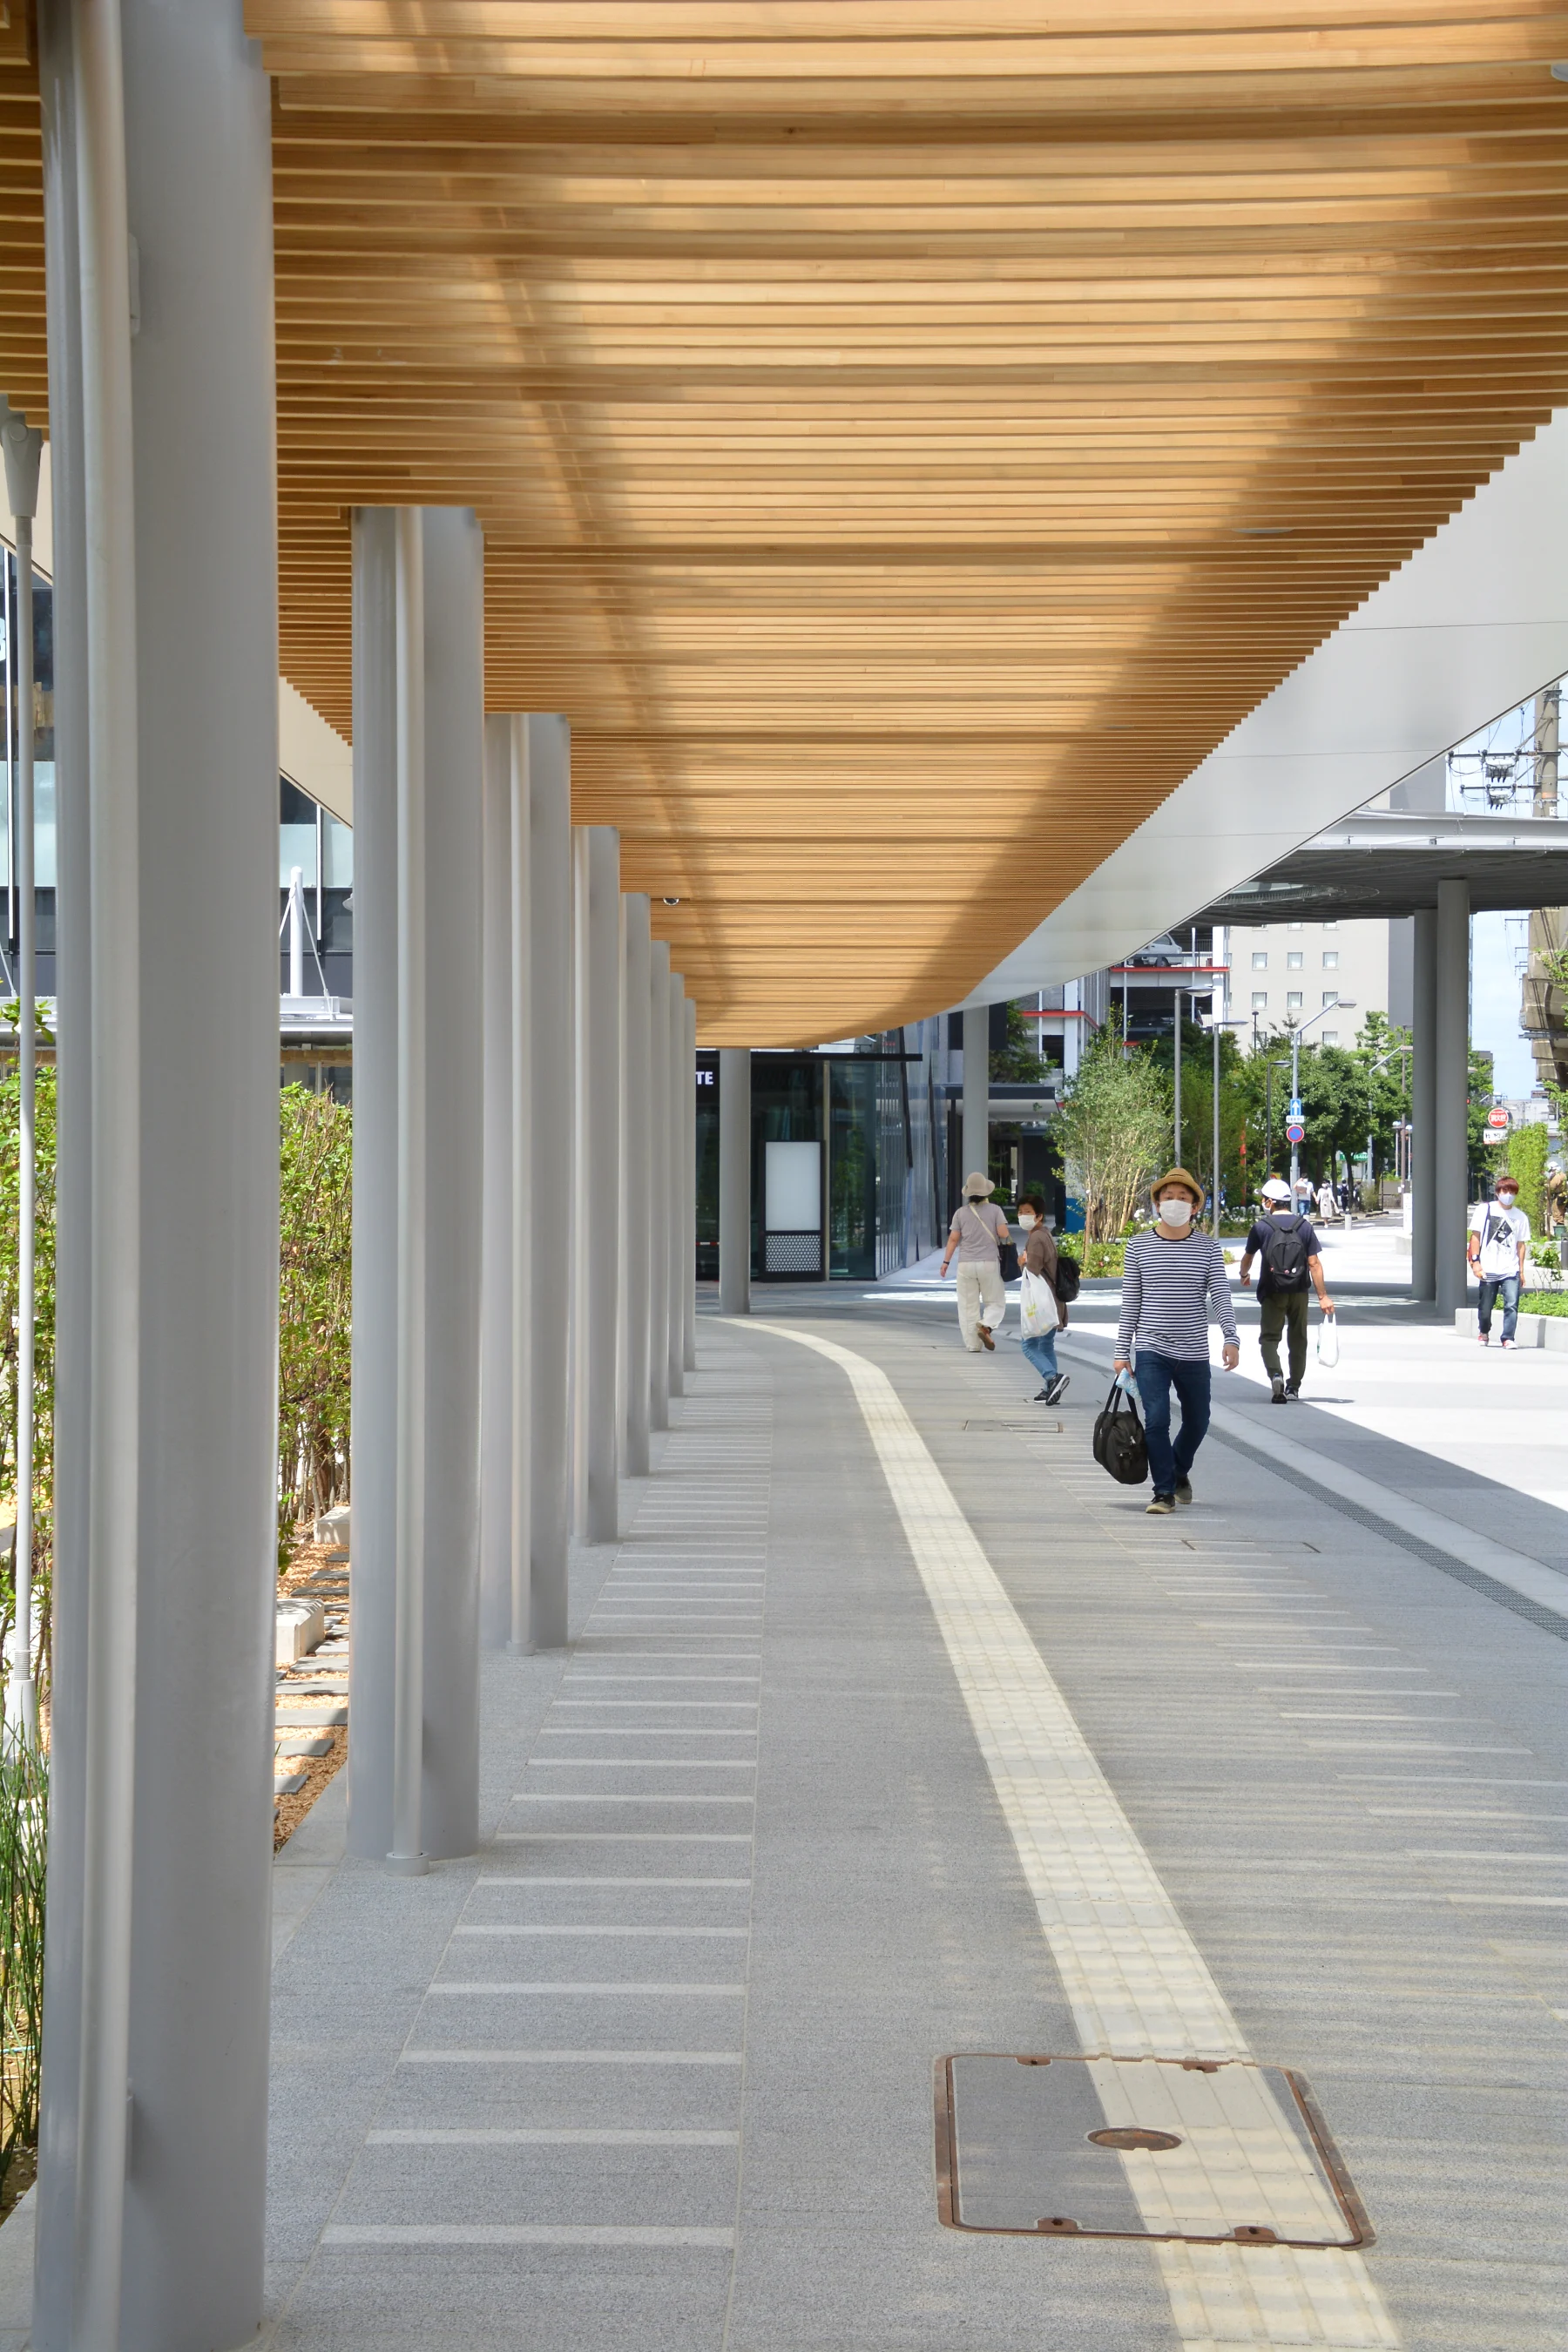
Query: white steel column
(375, 1180)
(520, 1250)
(680, 1088)
(418, 790)
(504, 1298)
(156, 2005)
(598, 1196)
(631, 1207)
(1423, 1106)
(1451, 1159)
(576, 1219)
(496, 1301)
(406, 1840)
(660, 1124)
(734, 1180)
(550, 1158)
(688, 1277)
(976, 1091)
(454, 1093)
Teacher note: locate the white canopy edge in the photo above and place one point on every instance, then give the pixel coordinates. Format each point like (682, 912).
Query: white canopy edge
(1474, 623)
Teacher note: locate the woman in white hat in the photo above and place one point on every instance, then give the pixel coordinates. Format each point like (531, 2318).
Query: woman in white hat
(977, 1234)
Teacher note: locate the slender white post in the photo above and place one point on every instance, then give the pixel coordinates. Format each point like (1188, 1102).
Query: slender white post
(1424, 1107)
(23, 445)
(976, 1091)
(521, 1252)
(632, 1207)
(658, 1187)
(114, 1416)
(689, 1275)
(675, 1220)
(408, 1672)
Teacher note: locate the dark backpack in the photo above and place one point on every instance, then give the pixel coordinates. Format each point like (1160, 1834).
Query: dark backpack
(1069, 1275)
(1119, 1442)
(1285, 1254)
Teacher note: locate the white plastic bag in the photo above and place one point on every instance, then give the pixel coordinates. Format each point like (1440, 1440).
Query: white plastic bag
(1036, 1306)
(1329, 1342)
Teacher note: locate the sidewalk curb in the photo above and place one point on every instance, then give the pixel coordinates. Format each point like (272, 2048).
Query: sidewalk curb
(1515, 1582)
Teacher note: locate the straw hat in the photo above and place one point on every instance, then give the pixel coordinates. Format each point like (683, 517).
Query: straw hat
(977, 1187)
(1178, 1176)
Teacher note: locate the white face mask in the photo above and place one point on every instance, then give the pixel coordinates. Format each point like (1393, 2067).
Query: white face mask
(1177, 1212)
(1025, 1218)
(1507, 1200)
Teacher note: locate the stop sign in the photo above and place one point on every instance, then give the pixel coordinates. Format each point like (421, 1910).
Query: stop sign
(1496, 1118)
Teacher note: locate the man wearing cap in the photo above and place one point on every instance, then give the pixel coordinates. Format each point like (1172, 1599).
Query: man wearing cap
(978, 1232)
(1499, 1234)
(1172, 1278)
(1289, 1248)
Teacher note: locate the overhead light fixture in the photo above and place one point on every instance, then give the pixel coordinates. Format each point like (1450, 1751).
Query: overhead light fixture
(669, 902)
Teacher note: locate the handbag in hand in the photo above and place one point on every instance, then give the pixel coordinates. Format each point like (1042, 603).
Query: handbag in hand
(1118, 1442)
(1007, 1259)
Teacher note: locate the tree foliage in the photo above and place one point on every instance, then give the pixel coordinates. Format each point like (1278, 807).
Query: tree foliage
(1113, 1131)
(314, 1306)
(1018, 1062)
(1524, 1157)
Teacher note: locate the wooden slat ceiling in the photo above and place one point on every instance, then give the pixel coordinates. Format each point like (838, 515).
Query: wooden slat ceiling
(909, 434)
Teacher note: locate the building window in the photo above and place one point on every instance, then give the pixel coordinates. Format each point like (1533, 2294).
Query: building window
(1331, 1036)
(1293, 960)
(1330, 959)
(1260, 960)
(1293, 1000)
(1260, 999)
(1330, 996)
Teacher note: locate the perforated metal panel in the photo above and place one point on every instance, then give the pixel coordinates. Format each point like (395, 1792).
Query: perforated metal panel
(1139, 2148)
(792, 1253)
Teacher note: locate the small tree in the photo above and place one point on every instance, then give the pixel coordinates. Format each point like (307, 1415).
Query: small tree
(314, 1306)
(1113, 1131)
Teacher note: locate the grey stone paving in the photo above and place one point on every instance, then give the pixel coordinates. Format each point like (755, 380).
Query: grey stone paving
(1349, 1770)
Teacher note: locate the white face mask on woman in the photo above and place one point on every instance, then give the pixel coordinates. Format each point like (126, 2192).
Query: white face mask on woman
(1177, 1210)
(1027, 1218)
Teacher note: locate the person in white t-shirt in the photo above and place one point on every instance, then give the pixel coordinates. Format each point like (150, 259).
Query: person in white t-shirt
(1499, 1232)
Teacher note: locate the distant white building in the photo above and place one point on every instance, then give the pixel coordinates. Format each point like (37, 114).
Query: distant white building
(1285, 972)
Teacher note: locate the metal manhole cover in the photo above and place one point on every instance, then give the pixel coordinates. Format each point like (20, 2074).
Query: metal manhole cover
(1139, 2148)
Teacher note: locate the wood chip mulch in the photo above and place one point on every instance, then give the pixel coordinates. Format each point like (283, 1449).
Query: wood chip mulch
(310, 1560)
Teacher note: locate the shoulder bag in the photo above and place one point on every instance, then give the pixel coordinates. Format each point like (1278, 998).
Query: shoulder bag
(1118, 1442)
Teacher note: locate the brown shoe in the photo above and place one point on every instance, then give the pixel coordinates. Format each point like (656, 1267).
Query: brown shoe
(986, 1339)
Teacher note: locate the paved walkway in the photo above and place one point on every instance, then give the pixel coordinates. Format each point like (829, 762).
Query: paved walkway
(893, 1731)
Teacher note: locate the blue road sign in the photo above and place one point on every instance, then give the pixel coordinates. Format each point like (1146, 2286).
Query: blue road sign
(1295, 1132)
(1293, 1110)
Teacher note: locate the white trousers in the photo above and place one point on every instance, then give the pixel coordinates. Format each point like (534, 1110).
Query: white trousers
(982, 1298)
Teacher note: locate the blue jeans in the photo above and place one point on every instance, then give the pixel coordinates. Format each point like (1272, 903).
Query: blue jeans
(1509, 1286)
(1041, 1351)
(1156, 1376)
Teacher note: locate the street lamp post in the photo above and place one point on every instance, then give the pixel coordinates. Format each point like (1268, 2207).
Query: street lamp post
(1339, 1004)
(1216, 1023)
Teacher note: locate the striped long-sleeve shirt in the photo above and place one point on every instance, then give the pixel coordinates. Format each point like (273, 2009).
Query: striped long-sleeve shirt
(1165, 1295)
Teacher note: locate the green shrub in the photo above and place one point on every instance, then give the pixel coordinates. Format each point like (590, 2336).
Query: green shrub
(1524, 1156)
(23, 1806)
(43, 1345)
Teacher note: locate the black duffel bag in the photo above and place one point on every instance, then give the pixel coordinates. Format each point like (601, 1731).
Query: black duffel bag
(1119, 1442)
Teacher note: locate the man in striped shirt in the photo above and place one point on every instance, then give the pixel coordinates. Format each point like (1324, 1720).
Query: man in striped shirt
(1172, 1276)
